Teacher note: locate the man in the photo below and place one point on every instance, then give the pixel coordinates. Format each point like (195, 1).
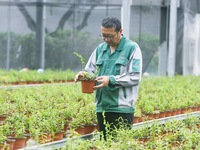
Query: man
(119, 63)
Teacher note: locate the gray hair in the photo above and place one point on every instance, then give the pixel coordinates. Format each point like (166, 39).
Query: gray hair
(110, 22)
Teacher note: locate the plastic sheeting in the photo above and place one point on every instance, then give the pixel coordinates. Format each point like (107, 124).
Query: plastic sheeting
(191, 43)
(196, 69)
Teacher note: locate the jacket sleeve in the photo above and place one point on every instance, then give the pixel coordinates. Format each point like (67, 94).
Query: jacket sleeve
(131, 73)
(91, 64)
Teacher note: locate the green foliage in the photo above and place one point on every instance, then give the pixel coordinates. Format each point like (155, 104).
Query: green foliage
(85, 115)
(81, 58)
(58, 49)
(130, 139)
(37, 109)
(164, 93)
(149, 47)
(17, 124)
(87, 75)
(48, 75)
(3, 137)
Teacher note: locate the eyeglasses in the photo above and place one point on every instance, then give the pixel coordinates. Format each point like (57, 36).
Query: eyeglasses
(109, 37)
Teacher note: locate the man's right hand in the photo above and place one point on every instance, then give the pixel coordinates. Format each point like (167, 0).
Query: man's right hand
(79, 76)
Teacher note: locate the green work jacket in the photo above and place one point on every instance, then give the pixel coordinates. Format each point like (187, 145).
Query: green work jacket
(124, 68)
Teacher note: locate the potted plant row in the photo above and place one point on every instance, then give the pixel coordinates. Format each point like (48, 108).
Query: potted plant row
(37, 107)
(36, 114)
(171, 135)
(28, 76)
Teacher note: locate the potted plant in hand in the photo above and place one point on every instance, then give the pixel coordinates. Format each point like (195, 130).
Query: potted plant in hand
(88, 80)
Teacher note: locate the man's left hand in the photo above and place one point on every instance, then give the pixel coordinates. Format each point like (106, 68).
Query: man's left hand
(103, 80)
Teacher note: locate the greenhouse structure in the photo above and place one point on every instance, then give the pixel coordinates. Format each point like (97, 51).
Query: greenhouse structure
(167, 31)
(39, 44)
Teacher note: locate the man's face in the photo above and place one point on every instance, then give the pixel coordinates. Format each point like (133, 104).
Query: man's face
(110, 36)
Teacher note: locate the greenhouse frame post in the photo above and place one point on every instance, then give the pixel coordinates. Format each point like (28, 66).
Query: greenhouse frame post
(172, 37)
(43, 34)
(125, 17)
(40, 33)
(8, 40)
